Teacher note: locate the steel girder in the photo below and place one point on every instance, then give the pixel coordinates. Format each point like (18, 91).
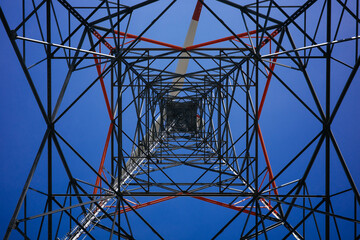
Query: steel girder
(270, 169)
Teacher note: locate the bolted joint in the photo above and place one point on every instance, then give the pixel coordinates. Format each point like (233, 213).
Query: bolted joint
(13, 34)
(51, 127)
(148, 85)
(257, 56)
(327, 127)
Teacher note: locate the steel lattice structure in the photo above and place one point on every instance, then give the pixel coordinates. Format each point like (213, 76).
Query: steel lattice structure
(184, 121)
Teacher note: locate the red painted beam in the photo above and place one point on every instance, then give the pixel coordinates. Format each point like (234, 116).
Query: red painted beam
(219, 40)
(128, 35)
(267, 160)
(272, 66)
(98, 68)
(197, 11)
(127, 209)
(101, 167)
(196, 197)
(223, 204)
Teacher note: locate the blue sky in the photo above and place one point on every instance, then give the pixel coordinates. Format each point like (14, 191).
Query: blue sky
(286, 125)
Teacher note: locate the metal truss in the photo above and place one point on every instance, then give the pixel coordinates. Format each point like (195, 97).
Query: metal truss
(301, 55)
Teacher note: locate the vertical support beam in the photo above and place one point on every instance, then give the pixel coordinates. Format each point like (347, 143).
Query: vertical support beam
(355, 217)
(303, 213)
(112, 85)
(24, 59)
(219, 130)
(120, 155)
(149, 129)
(357, 32)
(226, 125)
(327, 122)
(219, 124)
(257, 47)
(119, 103)
(70, 201)
(69, 32)
(25, 216)
(247, 120)
(50, 125)
(23, 32)
(305, 30)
